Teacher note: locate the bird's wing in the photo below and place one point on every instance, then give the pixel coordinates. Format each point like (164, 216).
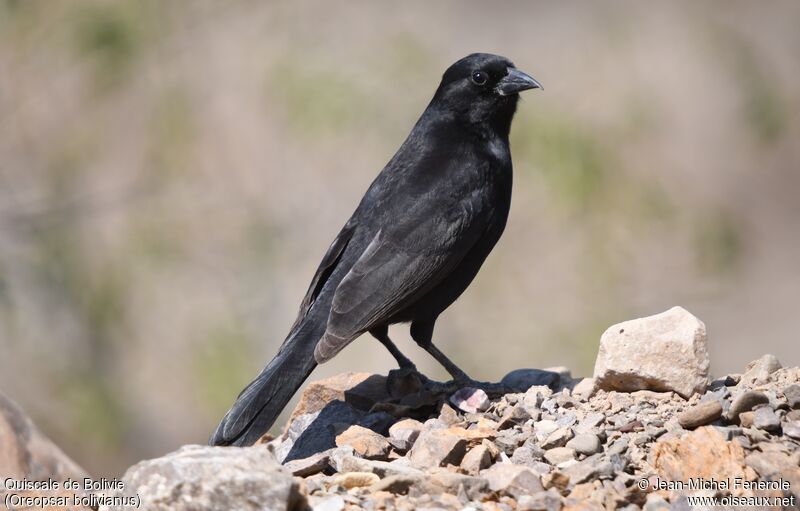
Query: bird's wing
(401, 263)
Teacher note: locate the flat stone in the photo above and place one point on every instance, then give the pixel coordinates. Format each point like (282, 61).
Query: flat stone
(592, 468)
(308, 466)
(792, 429)
(470, 400)
(512, 480)
(559, 455)
(765, 419)
(438, 447)
(700, 414)
(585, 443)
(380, 468)
(365, 442)
(665, 352)
(744, 402)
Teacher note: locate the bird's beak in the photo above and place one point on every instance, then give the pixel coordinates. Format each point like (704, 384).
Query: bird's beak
(516, 81)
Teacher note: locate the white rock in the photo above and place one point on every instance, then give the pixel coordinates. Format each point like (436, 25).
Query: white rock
(664, 352)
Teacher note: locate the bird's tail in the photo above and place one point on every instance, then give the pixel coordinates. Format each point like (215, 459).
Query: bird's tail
(260, 403)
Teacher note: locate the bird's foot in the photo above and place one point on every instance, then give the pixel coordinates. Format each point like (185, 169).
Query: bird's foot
(405, 380)
(452, 386)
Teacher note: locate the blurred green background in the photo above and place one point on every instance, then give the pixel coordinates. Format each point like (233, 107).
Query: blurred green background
(172, 172)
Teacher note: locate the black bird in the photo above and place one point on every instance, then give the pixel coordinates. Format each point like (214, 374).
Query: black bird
(413, 244)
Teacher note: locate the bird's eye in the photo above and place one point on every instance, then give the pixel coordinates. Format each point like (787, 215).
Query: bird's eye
(480, 78)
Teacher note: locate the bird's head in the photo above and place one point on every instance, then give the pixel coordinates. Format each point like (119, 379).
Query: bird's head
(483, 89)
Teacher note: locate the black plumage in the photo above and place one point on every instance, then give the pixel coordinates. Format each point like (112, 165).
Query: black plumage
(413, 244)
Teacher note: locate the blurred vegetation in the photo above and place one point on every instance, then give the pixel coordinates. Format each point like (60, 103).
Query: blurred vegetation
(170, 175)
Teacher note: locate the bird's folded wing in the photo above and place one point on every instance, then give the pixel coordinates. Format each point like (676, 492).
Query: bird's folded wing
(399, 266)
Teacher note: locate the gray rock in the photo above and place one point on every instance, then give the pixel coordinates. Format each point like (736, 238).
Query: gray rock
(534, 396)
(557, 438)
(513, 416)
(523, 379)
(664, 352)
(585, 443)
(593, 467)
(590, 422)
(549, 500)
(199, 477)
(559, 455)
(766, 419)
(618, 447)
(744, 402)
(792, 394)
(792, 429)
(700, 414)
(309, 466)
(528, 454)
(512, 480)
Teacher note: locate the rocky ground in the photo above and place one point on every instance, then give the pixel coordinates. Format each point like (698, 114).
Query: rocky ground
(648, 420)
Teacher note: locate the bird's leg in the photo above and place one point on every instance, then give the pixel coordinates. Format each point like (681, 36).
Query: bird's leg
(382, 334)
(455, 371)
(422, 333)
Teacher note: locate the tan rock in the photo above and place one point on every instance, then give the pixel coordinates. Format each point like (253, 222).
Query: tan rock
(476, 459)
(664, 352)
(364, 442)
(703, 453)
(700, 414)
(356, 479)
(361, 390)
(438, 447)
(25, 453)
(406, 430)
